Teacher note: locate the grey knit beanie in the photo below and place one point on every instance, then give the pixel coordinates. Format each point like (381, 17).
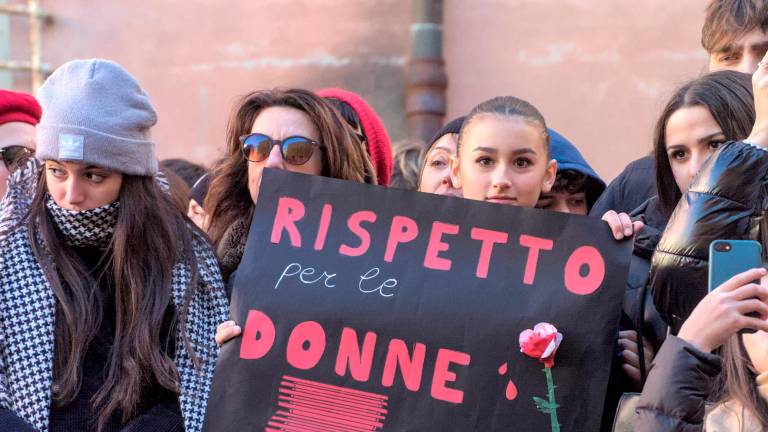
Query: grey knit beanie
(95, 112)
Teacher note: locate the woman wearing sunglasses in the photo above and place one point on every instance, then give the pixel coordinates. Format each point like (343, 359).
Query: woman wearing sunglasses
(294, 130)
(106, 319)
(19, 113)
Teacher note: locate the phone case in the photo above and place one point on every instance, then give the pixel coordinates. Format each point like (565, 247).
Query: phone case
(723, 265)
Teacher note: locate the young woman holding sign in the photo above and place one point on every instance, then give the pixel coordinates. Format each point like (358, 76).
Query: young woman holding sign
(503, 156)
(106, 318)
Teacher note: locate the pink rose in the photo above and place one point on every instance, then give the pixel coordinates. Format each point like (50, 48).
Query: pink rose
(541, 343)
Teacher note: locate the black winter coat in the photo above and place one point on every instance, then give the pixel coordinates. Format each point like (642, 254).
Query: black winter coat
(675, 394)
(652, 327)
(635, 185)
(726, 200)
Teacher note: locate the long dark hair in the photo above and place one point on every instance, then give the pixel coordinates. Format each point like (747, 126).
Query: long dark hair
(228, 198)
(728, 97)
(738, 381)
(140, 257)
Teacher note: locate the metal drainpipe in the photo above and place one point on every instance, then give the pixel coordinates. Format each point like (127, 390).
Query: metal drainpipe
(426, 79)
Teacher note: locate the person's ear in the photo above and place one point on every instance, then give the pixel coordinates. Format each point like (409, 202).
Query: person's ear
(455, 178)
(549, 176)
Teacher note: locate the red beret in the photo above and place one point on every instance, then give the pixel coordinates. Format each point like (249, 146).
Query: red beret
(379, 146)
(19, 107)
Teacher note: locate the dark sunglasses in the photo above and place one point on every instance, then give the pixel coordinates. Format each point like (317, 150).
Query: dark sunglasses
(14, 155)
(296, 150)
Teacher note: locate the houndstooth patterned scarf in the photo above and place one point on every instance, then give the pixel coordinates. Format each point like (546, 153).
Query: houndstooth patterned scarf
(18, 196)
(89, 228)
(27, 312)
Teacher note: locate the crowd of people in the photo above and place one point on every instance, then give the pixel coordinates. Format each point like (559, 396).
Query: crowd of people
(116, 268)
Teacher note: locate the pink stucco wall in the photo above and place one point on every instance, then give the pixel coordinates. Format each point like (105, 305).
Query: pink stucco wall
(196, 57)
(599, 70)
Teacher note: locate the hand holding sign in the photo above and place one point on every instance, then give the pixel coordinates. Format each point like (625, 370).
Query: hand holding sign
(226, 331)
(621, 225)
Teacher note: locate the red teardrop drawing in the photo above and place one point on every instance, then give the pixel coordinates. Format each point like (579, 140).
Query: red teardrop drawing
(503, 369)
(511, 391)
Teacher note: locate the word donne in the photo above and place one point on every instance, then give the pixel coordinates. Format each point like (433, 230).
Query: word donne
(307, 345)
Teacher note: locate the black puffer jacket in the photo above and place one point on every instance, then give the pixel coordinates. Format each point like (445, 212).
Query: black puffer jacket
(678, 386)
(652, 327)
(726, 200)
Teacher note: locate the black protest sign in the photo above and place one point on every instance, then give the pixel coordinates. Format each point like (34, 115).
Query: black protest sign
(373, 309)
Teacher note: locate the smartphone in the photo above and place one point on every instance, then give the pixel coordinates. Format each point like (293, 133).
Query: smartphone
(727, 258)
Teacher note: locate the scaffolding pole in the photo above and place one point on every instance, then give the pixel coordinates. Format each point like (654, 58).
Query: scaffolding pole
(36, 20)
(35, 45)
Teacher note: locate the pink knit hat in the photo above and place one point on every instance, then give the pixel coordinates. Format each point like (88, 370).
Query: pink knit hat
(379, 146)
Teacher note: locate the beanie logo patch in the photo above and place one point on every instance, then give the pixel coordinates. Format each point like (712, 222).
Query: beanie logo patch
(71, 146)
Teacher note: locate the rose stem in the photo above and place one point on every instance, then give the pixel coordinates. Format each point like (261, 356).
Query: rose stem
(553, 404)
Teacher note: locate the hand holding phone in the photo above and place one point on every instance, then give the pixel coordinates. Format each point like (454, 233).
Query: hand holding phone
(721, 314)
(727, 258)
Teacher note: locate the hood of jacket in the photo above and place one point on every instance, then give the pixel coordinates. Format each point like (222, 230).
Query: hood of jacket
(568, 157)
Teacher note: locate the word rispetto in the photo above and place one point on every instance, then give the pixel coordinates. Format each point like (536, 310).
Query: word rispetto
(583, 273)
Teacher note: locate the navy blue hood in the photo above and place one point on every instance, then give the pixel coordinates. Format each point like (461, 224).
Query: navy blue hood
(568, 157)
